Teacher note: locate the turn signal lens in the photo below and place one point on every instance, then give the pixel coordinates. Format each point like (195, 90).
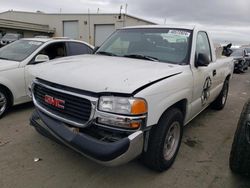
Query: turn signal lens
(139, 106)
(135, 125)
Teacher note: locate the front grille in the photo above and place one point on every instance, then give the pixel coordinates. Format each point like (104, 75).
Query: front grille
(76, 109)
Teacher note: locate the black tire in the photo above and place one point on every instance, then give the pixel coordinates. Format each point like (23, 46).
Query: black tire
(4, 102)
(154, 156)
(221, 100)
(240, 153)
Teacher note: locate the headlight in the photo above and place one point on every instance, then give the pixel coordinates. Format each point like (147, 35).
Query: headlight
(122, 112)
(123, 105)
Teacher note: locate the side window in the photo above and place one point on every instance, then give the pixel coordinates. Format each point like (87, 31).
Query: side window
(202, 45)
(75, 48)
(54, 50)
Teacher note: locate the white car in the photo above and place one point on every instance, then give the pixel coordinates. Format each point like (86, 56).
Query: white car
(133, 96)
(17, 57)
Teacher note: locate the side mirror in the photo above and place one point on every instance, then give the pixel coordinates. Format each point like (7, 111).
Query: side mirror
(95, 49)
(41, 58)
(202, 60)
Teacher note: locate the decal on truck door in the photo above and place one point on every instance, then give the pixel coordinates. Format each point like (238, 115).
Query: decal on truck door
(206, 91)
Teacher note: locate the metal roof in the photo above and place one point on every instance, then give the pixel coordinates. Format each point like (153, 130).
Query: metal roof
(85, 14)
(12, 24)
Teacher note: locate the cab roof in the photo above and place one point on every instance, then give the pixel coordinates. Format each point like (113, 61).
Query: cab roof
(189, 27)
(59, 39)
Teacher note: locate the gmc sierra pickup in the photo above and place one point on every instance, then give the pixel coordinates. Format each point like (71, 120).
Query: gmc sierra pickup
(133, 96)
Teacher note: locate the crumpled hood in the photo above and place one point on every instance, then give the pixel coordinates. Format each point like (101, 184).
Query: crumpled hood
(97, 73)
(6, 65)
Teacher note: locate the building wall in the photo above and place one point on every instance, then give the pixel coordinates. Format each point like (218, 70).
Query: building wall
(86, 22)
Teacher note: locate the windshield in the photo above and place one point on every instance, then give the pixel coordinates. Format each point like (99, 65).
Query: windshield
(162, 44)
(19, 50)
(237, 52)
(248, 50)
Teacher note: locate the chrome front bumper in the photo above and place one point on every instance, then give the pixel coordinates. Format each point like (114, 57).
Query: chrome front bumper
(109, 154)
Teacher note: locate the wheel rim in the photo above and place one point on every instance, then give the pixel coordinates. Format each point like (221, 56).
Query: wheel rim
(3, 103)
(172, 140)
(224, 97)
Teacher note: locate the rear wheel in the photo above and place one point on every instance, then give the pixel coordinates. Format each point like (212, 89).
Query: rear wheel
(164, 141)
(4, 102)
(240, 152)
(221, 100)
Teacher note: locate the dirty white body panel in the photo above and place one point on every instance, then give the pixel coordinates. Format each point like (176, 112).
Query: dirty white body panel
(100, 74)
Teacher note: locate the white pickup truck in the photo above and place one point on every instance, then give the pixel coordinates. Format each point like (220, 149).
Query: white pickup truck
(133, 96)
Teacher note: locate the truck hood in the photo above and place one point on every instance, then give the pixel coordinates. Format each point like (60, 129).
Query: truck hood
(98, 73)
(6, 64)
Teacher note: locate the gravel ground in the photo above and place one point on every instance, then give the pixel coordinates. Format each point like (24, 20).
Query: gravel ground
(202, 160)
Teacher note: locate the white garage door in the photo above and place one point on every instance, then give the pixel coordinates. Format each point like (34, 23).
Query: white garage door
(102, 32)
(71, 29)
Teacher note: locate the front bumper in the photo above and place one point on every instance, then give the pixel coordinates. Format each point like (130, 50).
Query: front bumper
(240, 65)
(106, 153)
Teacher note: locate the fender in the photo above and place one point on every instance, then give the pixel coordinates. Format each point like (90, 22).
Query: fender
(151, 83)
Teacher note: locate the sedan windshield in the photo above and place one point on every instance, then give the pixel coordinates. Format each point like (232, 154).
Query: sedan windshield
(19, 50)
(153, 44)
(248, 50)
(10, 36)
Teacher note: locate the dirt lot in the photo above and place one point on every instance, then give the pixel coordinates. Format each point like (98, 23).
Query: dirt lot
(201, 162)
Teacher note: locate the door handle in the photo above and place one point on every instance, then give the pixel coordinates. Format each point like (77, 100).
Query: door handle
(214, 72)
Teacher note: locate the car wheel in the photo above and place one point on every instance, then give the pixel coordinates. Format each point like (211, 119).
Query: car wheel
(4, 102)
(240, 153)
(164, 141)
(221, 100)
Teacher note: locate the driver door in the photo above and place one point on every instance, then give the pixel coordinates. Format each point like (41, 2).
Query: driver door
(204, 76)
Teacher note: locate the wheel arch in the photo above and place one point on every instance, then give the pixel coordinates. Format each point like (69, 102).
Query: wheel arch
(181, 105)
(228, 77)
(10, 95)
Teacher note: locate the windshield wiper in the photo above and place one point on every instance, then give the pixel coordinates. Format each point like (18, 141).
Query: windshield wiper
(106, 53)
(139, 56)
(4, 58)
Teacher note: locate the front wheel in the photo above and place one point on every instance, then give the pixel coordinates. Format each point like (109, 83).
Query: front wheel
(164, 141)
(221, 100)
(4, 102)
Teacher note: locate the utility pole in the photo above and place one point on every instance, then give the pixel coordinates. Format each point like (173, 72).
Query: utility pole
(125, 16)
(89, 26)
(165, 21)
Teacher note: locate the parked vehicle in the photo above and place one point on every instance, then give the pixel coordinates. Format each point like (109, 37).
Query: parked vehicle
(240, 152)
(9, 38)
(240, 62)
(248, 55)
(133, 96)
(18, 57)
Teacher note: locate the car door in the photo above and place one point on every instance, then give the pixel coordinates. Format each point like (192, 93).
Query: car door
(53, 50)
(204, 77)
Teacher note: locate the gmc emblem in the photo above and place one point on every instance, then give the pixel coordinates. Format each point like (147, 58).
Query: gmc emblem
(58, 103)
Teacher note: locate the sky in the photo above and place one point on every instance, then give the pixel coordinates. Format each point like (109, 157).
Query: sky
(227, 20)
